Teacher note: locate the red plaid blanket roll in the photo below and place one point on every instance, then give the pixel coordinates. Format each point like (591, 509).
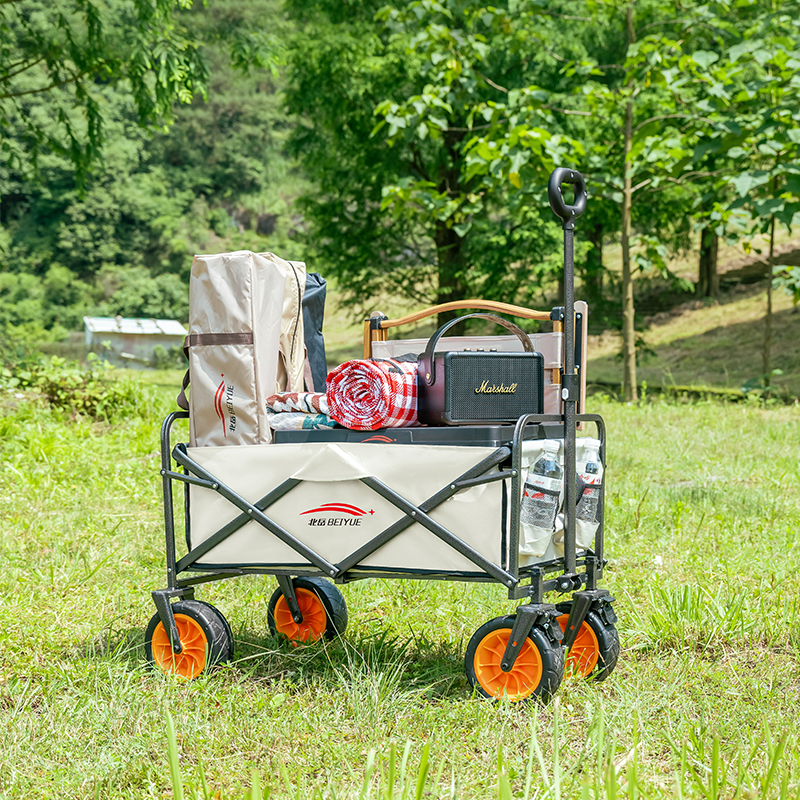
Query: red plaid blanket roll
(367, 395)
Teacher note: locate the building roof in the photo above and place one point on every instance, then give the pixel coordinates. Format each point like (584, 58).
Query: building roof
(127, 325)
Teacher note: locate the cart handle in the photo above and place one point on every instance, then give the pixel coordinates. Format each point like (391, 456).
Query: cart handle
(375, 327)
(567, 214)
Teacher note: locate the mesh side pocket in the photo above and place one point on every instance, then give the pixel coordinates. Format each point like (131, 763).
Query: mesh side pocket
(539, 507)
(586, 510)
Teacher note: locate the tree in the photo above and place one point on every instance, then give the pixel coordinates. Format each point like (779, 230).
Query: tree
(430, 145)
(69, 49)
(639, 136)
(122, 242)
(758, 130)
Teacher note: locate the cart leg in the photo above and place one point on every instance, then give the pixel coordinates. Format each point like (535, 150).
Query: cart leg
(527, 616)
(162, 598)
(287, 587)
(581, 603)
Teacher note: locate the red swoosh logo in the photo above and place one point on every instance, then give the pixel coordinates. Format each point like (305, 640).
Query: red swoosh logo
(341, 508)
(379, 438)
(218, 405)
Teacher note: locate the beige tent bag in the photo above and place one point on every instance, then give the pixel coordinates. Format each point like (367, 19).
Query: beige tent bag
(245, 343)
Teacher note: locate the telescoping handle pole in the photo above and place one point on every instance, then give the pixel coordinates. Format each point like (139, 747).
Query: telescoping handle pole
(569, 382)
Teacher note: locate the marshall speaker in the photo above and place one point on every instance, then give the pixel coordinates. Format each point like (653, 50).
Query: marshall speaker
(478, 388)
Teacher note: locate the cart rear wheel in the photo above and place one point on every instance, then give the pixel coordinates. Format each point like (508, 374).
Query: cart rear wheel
(537, 672)
(595, 651)
(323, 608)
(203, 636)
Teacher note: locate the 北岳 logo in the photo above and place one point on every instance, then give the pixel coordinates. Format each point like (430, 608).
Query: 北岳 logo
(346, 514)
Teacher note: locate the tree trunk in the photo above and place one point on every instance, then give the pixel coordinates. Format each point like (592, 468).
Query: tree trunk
(765, 365)
(707, 278)
(449, 258)
(593, 278)
(629, 389)
(449, 245)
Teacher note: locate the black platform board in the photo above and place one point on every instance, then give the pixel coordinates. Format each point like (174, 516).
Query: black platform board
(472, 435)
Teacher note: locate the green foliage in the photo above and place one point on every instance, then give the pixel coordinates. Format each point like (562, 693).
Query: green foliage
(788, 278)
(66, 50)
(122, 241)
(167, 358)
(93, 391)
(429, 173)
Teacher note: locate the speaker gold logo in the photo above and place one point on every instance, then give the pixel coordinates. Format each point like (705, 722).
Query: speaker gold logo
(487, 388)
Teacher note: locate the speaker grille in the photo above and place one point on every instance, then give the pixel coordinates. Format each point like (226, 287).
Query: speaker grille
(469, 371)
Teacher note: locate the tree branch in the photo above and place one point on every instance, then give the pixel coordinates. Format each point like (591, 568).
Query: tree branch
(547, 50)
(56, 85)
(8, 75)
(569, 111)
(669, 116)
(567, 16)
(491, 82)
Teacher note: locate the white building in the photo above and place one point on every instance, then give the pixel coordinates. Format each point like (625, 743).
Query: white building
(130, 342)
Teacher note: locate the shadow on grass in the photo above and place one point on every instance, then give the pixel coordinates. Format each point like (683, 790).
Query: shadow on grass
(380, 660)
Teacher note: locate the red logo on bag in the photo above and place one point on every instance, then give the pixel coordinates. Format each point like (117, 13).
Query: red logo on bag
(338, 508)
(218, 404)
(379, 438)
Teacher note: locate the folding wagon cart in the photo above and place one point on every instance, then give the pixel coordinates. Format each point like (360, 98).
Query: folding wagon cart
(423, 503)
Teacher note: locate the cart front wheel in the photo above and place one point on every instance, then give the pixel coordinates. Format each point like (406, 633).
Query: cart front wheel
(228, 656)
(537, 672)
(595, 650)
(322, 606)
(204, 640)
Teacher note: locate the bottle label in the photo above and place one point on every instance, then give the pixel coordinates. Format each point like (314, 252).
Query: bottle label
(543, 483)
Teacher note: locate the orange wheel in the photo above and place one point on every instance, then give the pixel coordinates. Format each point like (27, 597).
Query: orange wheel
(595, 650)
(203, 636)
(536, 672)
(314, 623)
(322, 606)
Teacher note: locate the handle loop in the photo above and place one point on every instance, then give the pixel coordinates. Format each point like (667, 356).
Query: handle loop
(566, 213)
(428, 375)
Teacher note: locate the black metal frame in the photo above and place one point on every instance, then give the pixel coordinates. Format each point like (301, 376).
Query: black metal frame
(504, 464)
(561, 575)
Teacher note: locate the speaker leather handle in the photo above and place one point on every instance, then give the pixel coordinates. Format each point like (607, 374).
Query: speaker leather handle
(425, 370)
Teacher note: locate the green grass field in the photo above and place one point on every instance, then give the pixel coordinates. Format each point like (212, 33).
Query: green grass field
(702, 529)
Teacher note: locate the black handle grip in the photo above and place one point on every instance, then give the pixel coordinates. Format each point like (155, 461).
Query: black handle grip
(425, 370)
(567, 214)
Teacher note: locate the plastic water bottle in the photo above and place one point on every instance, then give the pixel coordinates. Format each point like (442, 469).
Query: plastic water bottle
(591, 477)
(590, 473)
(541, 494)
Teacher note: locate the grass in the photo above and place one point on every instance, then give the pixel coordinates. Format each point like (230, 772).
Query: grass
(703, 530)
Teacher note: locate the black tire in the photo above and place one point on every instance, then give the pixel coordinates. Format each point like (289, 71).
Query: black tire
(331, 600)
(545, 659)
(225, 624)
(203, 636)
(607, 638)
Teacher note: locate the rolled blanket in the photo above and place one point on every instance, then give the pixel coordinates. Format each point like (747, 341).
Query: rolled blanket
(307, 402)
(298, 421)
(367, 395)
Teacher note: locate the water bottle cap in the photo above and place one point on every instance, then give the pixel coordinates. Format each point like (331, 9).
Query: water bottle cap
(551, 447)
